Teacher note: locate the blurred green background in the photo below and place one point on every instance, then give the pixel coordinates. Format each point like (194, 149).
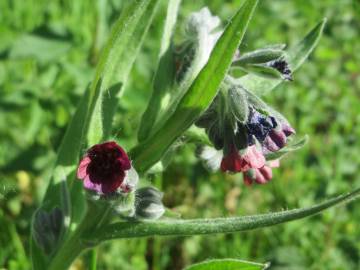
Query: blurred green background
(48, 50)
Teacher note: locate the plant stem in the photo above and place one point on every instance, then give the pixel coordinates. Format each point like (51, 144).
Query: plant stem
(93, 259)
(210, 226)
(73, 245)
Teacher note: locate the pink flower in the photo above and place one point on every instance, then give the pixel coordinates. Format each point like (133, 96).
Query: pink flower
(261, 175)
(104, 168)
(236, 162)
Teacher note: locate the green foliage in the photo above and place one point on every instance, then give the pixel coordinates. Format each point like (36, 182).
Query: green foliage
(39, 96)
(201, 92)
(227, 264)
(296, 56)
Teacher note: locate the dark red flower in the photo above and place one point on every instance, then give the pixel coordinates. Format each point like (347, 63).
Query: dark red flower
(236, 162)
(104, 167)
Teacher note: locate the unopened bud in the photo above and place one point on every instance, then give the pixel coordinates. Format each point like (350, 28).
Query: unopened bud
(148, 203)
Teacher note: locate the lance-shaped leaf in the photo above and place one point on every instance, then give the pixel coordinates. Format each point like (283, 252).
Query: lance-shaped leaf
(200, 94)
(124, 42)
(115, 64)
(179, 227)
(296, 56)
(227, 264)
(164, 76)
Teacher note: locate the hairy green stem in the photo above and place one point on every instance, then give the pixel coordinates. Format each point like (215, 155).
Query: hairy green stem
(211, 226)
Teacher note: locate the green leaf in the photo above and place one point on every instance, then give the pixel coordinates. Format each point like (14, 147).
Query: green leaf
(200, 94)
(227, 264)
(41, 48)
(116, 62)
(296, 56)
(164, 75)
(263, 71)
(111, 73)
(258, 56)
(176, 227)
(292, 146)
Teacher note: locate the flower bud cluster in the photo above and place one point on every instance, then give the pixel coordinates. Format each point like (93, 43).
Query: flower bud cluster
(244, 133)
(244, 146)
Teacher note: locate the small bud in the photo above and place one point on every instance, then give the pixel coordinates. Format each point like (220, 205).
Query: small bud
(148, 203)
(47, 228)
(283, 67)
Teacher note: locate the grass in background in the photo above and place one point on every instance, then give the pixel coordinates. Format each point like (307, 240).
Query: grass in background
(47, 55)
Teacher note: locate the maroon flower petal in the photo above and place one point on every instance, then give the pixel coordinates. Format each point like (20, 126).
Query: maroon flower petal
(103, 168)
(232, 162)
(112, 184)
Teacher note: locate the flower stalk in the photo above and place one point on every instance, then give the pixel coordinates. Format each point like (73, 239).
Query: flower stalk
(178, 227)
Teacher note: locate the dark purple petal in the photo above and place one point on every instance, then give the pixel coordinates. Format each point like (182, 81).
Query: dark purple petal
(112, 184)
(103, 168)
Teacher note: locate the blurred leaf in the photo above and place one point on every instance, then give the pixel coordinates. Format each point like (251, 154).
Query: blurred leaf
(115, 64)
(227, 264)
(41, 48)
(200, 94)
(296, 56)
(164, 75)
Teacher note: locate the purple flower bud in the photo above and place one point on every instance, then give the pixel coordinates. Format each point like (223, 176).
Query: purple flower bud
(104, 168)
(277, 139)
(282, 66)
(259, 125)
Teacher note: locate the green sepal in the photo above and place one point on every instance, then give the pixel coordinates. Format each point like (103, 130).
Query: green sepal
(238, 103)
